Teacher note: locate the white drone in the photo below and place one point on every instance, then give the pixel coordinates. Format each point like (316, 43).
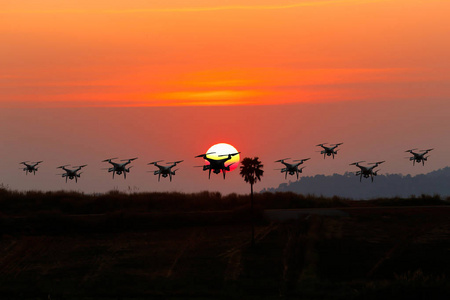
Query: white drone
(165, 170)
(71, 174)
(118, 168)
(292, 168)
(367, 171)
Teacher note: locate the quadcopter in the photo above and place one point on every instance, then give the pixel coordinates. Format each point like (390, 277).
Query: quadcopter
(217, 165)
(165, 170)
(419, 157)
(291, 168)
(30, 168)
(71, 174)
(367, 171)
(329, 151)
(118, 168)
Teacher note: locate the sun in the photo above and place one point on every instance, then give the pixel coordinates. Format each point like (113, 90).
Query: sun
(224, 149)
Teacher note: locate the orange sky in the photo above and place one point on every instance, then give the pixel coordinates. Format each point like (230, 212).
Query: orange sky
(166, 80)
(153, 53)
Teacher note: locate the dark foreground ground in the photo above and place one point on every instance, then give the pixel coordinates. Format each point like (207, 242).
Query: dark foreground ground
(361, 253)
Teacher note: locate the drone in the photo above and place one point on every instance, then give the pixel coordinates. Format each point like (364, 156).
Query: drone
(119, 168)
(291, 168)
(217, 165)
(367, 171)
(165, 170)
(71, 174)
(419, 157)
(30, 168)
(329, 151)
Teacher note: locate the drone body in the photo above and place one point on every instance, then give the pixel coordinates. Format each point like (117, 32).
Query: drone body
(217, 165)
(31, 167)
(329, 151)
(71, 174)
(367, 172)
(292, 168)
(118, 168)
(419, 157)
(165, 171)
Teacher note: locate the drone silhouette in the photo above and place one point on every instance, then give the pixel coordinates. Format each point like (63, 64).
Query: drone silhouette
(419, 157)
(329, 151)
(165, 170)
(30, 168)
(291, 168)
(367, 171)
(71, 174)
(118, 168)
(217, 165)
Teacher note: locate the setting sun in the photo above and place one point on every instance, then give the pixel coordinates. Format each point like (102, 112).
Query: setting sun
(221, 150)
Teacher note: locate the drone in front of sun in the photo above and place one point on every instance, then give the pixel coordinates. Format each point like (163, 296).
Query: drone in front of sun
(31, 167)
(367, 172)
(118, 168)
(217, 165)
(292, 168)
(71, 174)
(419, 157)
(329, 151)
(165, 170)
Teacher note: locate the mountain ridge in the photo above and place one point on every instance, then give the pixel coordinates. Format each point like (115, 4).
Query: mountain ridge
(385, 185)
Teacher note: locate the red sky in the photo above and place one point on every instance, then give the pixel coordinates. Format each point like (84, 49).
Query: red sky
(169, 78)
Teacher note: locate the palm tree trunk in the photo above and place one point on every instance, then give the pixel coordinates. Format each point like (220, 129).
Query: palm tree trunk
(253, 215)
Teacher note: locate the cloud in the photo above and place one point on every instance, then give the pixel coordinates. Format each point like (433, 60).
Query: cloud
(194, 9)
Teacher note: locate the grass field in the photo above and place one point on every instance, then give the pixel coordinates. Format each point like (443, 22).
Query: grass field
(51, 244)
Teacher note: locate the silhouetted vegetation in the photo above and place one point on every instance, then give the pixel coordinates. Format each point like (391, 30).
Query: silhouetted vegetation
(175, 246)
(251, 170)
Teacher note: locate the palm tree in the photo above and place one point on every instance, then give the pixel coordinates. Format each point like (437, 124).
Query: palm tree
(251, 171)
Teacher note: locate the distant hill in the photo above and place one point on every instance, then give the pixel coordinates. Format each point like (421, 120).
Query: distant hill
(389, 185)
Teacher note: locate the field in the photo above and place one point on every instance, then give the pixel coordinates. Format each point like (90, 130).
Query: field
(139, 246)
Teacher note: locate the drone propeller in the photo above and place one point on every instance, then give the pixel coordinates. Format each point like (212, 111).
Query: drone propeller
(320, 145)
(201, 155)
(353, 164)
(60, 167)
(427, 150)
(305, 159)
(176, 162)
(198, 166)
(109, 159)
(80, 166)
(280, 160)
(38, 162)
(129, 159)
(377, 163)
(23, 162)
(154, 162)
(411, 150)
(337, 144)
(232, 154)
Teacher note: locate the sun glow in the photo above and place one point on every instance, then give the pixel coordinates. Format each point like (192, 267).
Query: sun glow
(224, 149)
